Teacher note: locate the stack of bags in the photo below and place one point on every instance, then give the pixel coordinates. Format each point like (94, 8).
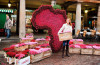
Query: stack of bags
(25, 52)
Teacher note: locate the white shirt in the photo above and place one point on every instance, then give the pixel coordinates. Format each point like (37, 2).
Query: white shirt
(65, 28)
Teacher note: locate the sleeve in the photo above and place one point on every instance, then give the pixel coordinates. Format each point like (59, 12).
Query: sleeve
(10, 24)
(61, 29)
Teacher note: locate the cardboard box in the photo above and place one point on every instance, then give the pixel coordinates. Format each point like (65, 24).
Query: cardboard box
(65, 36)
(87, 51)
(74, 50)
(23, 61)
(96, 51)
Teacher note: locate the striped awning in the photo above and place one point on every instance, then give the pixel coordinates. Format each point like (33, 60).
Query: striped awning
(6, 10)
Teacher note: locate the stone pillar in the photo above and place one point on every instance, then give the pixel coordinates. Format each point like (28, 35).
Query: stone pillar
(22, 23)
(53, 2)
(98, 20)
(78, 17)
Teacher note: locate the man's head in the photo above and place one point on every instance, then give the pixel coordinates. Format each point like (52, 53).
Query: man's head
(7, 17)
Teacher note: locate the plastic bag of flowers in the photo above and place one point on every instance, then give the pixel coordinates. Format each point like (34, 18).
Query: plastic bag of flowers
(86, 49)
(74, 48)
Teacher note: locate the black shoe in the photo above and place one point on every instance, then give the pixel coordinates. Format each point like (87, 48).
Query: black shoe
(68, 55)
(62, 56)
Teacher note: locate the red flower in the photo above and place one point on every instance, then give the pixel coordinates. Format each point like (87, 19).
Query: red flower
(32, 40)
(44, 45)
(26, 51)
(52, 20)
(8, 49)
(37, 48)
(11, 54)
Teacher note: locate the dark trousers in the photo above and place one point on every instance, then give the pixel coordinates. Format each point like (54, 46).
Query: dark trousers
(65, 44)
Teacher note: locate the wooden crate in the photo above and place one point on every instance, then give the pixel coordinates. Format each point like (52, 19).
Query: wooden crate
(47, 53)
(21, 48)
(11, 60)
(5, 55)
(65, 36)
(96, 51)
(23, 61)
(41, 41)
(37, 57)
(87, 51)
(32, 46)
(78, 42)
(74, 50)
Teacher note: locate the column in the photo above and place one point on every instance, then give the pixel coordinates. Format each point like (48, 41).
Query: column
(17, 21)
(22, 19)
(86, 19)
(78, 17)
(53, 2)
(98, 20)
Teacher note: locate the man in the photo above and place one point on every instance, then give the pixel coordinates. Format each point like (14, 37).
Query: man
(8, 26)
